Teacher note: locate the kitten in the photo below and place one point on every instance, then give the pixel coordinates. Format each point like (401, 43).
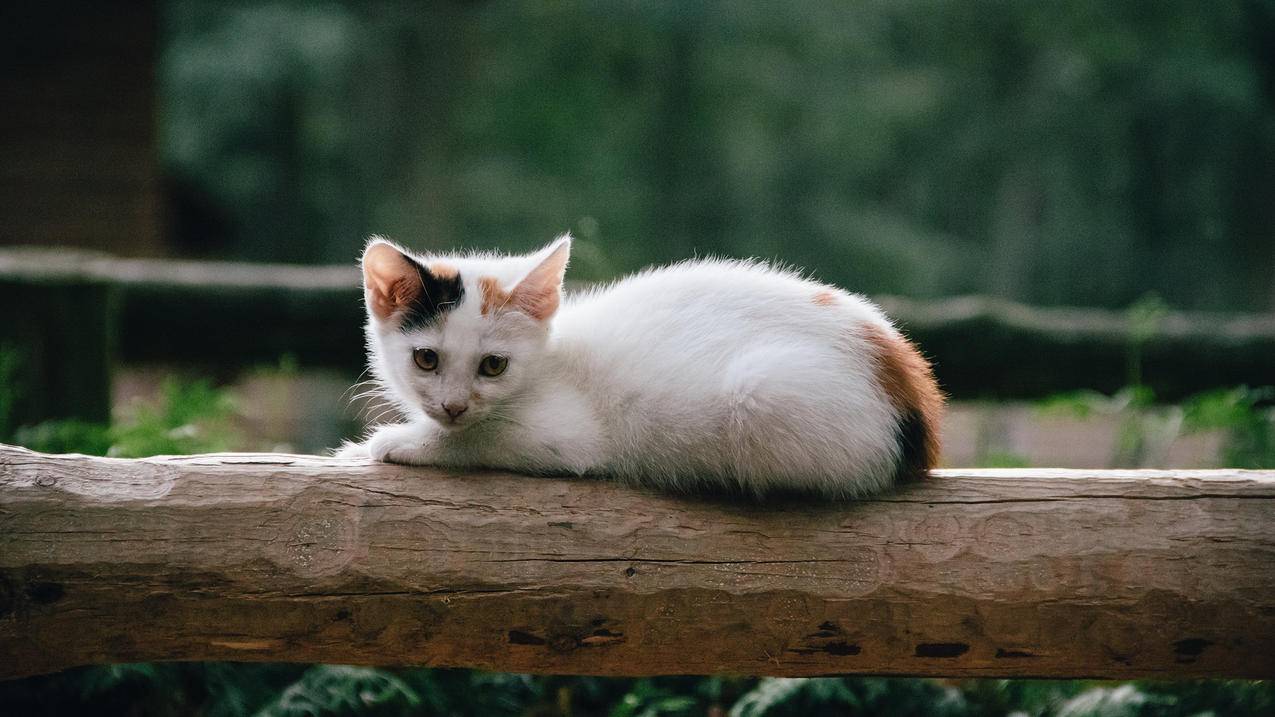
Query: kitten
(705, 374)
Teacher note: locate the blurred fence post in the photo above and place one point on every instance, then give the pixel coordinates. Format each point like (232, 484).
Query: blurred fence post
(57, 338)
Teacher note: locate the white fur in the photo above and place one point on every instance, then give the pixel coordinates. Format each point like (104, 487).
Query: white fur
(707, 373)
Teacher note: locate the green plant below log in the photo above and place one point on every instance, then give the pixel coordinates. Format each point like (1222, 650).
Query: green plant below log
(189, 417)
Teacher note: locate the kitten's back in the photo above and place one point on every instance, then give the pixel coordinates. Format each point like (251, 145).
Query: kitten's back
(811, 383)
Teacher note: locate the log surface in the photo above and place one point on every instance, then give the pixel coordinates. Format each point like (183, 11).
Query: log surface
(1112, 574)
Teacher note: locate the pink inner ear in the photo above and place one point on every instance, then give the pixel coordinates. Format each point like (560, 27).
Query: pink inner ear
(539, 302)
(539, 294)
(391, 281)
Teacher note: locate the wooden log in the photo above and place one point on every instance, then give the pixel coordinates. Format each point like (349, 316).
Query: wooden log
(976, 573)
(226, 315)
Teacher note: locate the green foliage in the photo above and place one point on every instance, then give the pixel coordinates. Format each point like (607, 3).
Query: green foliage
(1029, 697)
(1077, 153)
(1081, 404)
(666, 706)
(212, 689)
(774, 693)
(1247, 418)
(266, 690)
(1213, 698)
(660, 698)
(190, 417)
(1204, 698)
(334, 690)
(781, 697)
(1244, 415)
(1146, 429)
(1123, 701)
(66, 436)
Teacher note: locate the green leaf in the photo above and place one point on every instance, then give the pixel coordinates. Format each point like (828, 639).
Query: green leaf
(342, 690)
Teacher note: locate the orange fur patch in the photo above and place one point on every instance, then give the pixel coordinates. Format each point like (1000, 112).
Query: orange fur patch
(443, 270)
(494, 297)
(827, 297)
(908, 380)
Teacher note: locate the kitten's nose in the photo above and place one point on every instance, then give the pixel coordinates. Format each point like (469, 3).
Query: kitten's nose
(455, 409)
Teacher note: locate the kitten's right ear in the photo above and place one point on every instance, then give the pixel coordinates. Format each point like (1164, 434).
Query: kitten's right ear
(391, 280)
(540, 291)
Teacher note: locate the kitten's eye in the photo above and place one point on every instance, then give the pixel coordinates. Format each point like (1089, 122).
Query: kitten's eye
(426, 359)
(493, 365)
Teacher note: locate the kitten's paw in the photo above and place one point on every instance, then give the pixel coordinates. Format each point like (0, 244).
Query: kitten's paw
(399, 443)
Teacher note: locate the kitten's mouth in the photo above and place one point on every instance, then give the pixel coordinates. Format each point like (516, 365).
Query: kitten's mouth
(450, 423)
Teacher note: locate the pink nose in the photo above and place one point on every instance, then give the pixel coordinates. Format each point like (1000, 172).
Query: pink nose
(455, 409)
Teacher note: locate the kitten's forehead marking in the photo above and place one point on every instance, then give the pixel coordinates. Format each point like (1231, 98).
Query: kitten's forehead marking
(494, 297)
(443, 270)
(441, 291)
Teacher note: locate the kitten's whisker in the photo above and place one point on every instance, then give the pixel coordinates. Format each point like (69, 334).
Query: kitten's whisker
(366, 412)
(381, 412)
(373, 405)
(370, 393)
(365, 398)
(358, 381)
(385, 411)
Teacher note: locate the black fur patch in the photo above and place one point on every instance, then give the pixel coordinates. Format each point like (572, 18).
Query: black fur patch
(437, 296)
(912, 439)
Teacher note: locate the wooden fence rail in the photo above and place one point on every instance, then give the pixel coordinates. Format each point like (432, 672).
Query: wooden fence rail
(74, 311)
(1111, 574)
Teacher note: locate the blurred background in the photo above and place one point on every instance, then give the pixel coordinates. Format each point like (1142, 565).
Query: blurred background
(1083, 153)
(1070, 206)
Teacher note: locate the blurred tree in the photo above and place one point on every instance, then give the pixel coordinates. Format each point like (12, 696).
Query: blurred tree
(1083, 153)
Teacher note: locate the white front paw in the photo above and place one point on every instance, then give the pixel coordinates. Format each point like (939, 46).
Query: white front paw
(399, 443)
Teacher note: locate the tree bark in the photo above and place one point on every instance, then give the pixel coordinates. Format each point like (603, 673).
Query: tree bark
(975, 573)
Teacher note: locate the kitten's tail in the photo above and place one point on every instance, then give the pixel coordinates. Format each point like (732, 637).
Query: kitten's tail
(908, 381)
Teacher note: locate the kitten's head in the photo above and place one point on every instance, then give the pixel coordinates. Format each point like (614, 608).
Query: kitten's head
(456, 337)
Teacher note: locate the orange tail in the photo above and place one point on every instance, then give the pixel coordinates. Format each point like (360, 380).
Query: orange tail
(908, 380)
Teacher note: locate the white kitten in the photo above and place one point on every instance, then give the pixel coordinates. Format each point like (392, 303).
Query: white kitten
(705, 374)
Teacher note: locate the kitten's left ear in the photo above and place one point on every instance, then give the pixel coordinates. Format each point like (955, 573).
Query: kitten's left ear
(540, 292)
(391, 280)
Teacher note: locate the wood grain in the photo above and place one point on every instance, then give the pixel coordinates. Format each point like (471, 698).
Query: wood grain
(1111, 574)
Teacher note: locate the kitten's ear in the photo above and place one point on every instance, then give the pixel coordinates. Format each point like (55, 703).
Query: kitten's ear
(540, 292)
(391, 280)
